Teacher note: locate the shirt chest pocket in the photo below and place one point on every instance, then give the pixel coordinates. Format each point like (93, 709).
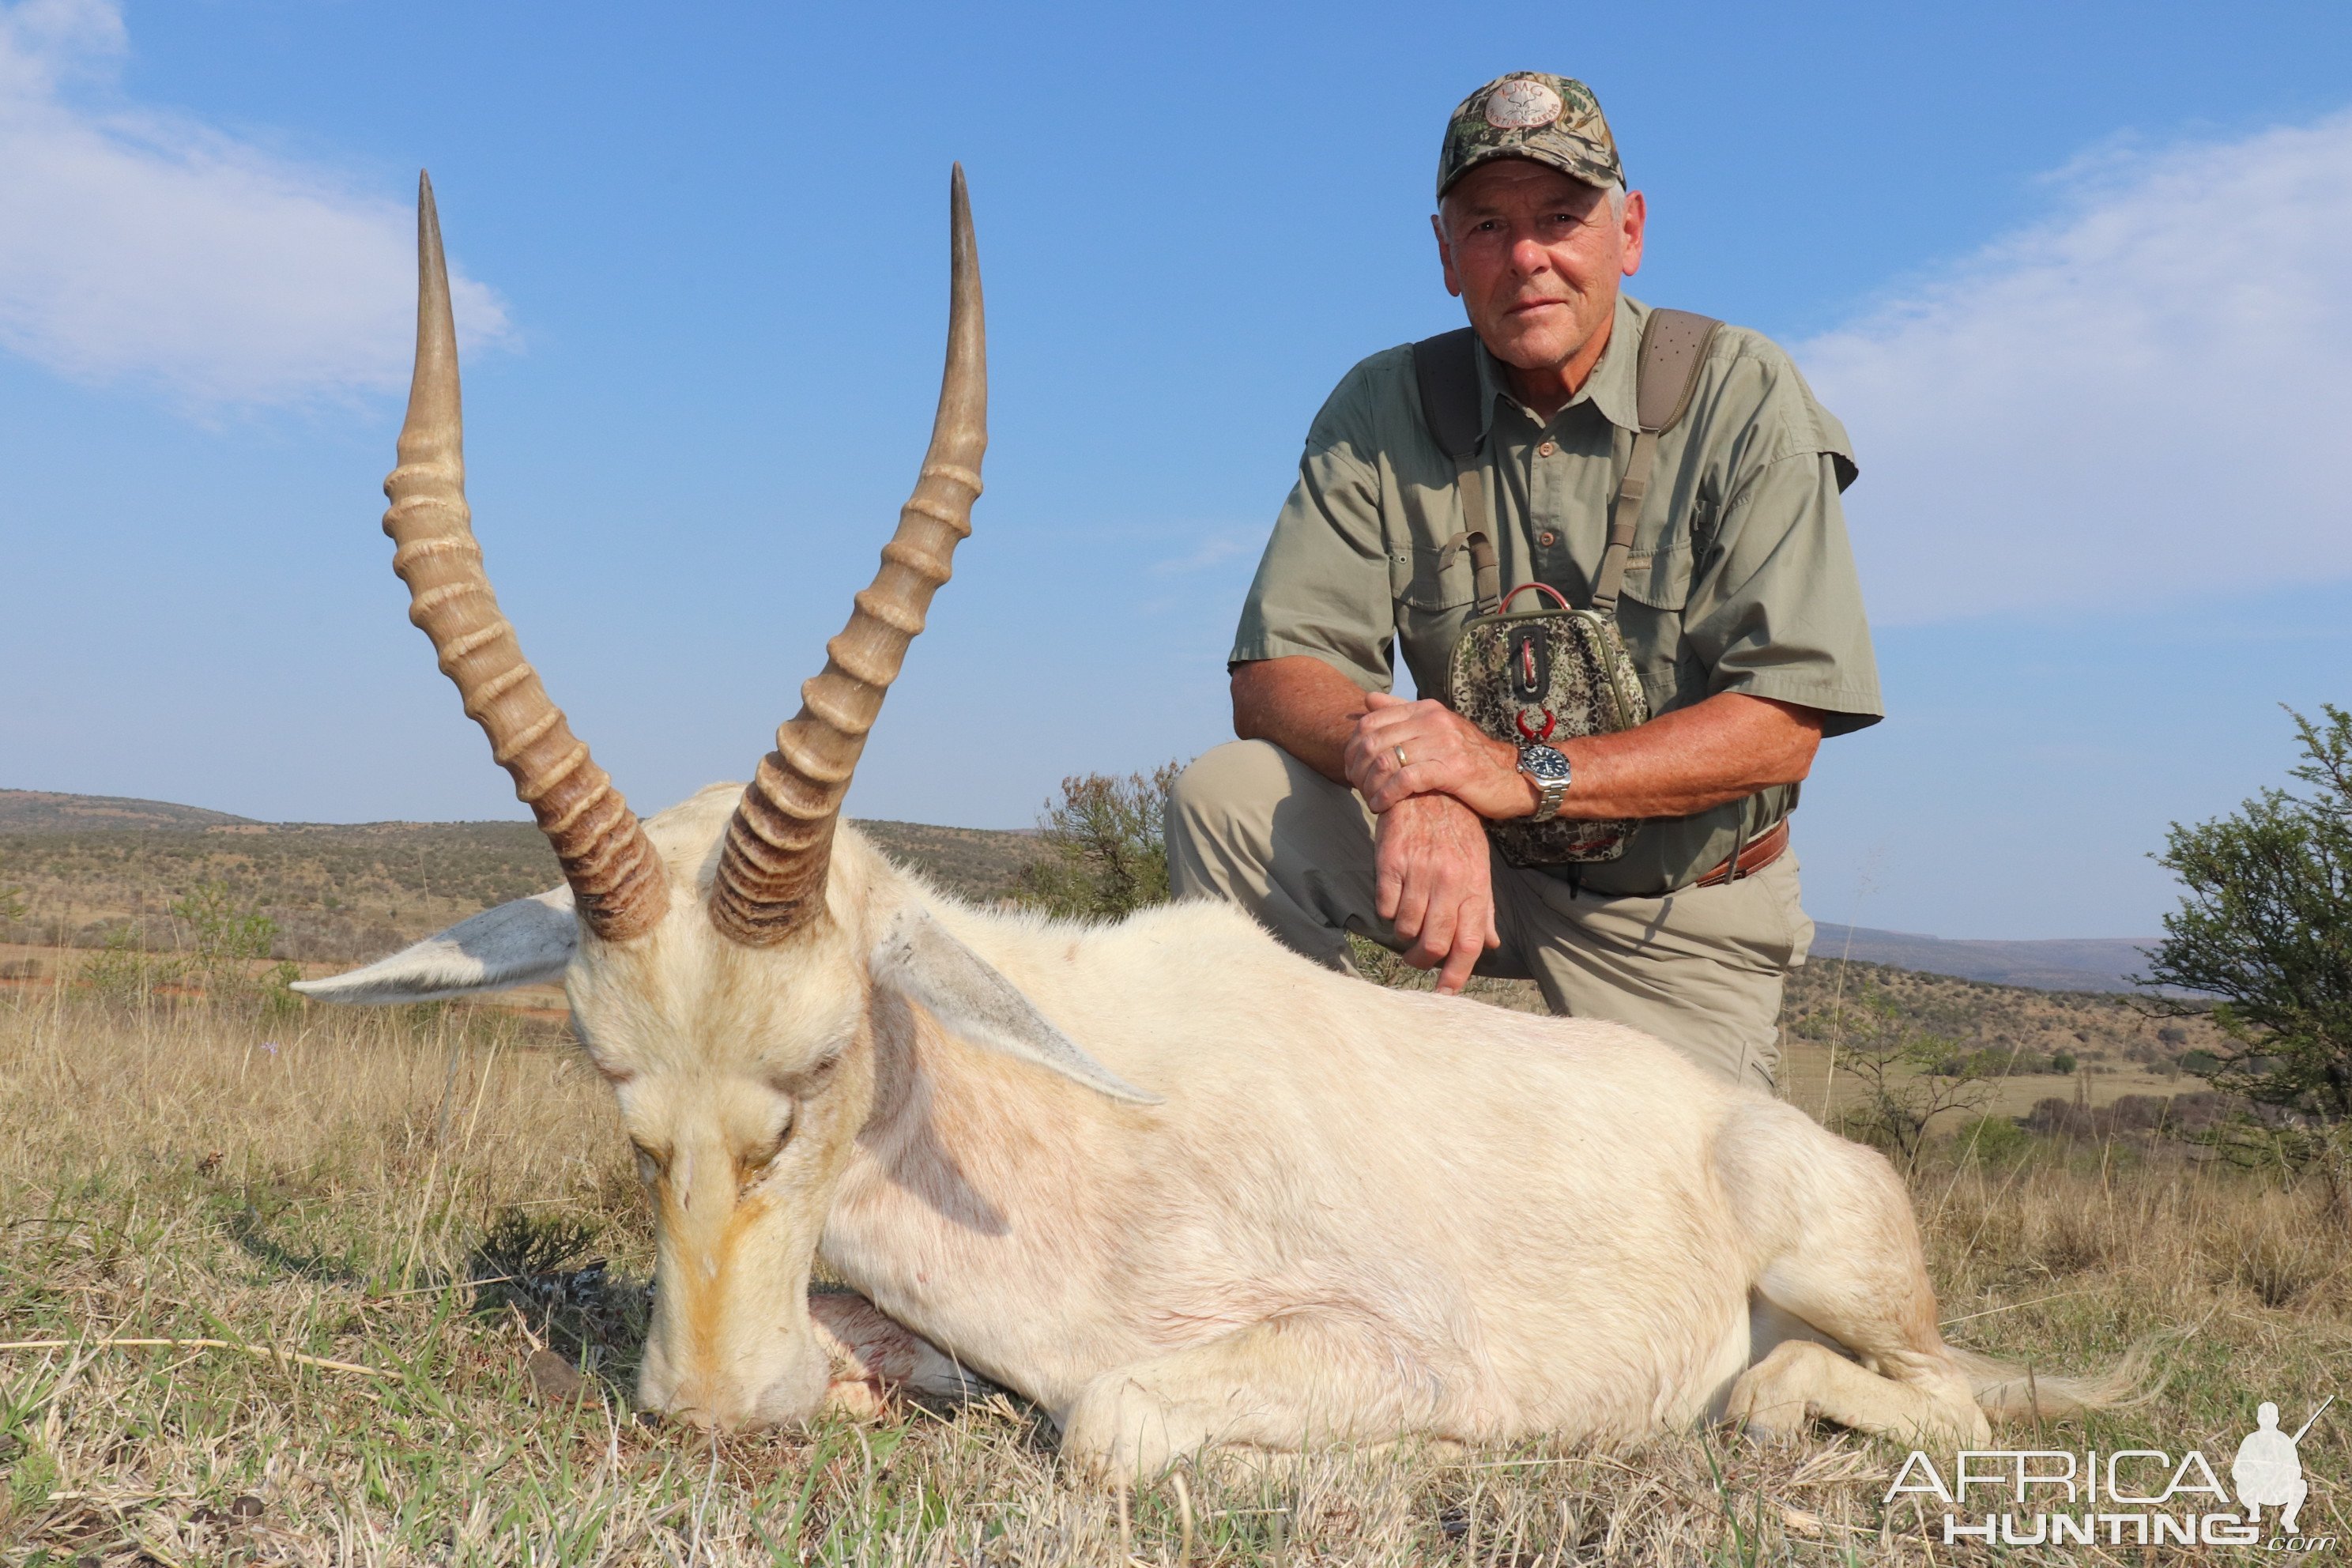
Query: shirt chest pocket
(1650, 617)
(1659, 578)
(1659, 573)
(1424, 577)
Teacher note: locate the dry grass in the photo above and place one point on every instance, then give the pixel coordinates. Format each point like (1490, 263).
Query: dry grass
(347, 1197)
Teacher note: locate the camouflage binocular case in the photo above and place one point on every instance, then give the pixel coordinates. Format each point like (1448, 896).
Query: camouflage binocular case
(1541, 677)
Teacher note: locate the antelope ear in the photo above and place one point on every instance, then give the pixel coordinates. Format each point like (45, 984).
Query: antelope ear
(922, 960)
(525, 942)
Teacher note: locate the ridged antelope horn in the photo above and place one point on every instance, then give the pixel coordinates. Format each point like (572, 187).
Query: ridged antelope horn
(771, 873)
(613, 872)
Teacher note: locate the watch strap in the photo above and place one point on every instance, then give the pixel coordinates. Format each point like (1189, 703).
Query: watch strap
(1549, 790)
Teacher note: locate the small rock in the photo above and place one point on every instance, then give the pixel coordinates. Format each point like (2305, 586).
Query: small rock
(554, 1377)
(201, 1515)
(245, 1507)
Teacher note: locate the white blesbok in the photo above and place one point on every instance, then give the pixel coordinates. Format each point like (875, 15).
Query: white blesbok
(1165, 1178)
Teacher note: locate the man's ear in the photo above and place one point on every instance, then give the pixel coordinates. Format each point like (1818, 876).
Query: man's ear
(1444, 251)
(1631, 227)
(922, 960)
(525, 942)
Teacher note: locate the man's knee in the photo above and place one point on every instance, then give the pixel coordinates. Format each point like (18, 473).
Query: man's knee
(1218, 813)
(1225, 797)
(1240, 778)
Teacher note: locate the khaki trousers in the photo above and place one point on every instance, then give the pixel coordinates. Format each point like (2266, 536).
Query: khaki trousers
(1701, 969)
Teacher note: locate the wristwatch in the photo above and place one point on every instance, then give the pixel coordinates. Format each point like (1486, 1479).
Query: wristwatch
(1548, 769)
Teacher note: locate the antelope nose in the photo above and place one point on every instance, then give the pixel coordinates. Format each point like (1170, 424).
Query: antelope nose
(710, 1408)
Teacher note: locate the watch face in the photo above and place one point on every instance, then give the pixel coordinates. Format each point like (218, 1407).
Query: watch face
(1543, 764)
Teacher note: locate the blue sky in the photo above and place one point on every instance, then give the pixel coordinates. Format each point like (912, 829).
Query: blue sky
(2078, 280)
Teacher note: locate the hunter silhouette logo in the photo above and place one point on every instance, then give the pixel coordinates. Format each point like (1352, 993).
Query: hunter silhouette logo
(2268, 1471)
(2132, 1496)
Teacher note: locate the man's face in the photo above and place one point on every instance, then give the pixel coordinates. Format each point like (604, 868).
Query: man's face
(1535, 257)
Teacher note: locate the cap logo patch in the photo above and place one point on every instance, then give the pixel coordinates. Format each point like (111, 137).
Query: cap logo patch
(1522, 105)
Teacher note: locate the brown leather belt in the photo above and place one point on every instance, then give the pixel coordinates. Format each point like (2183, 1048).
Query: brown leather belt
(1760, 853)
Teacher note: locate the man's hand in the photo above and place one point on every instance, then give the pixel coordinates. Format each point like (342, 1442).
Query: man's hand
(1444, 754)
(1430, 857)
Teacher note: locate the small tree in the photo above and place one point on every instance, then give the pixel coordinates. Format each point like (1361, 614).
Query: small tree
(1909, 1079)
(13, 906)
(1103, 853)
(224, 940)
(2265, 925)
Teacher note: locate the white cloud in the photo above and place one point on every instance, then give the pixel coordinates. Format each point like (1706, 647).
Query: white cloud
(144, 248)
(1212, 550)
(2144, 397)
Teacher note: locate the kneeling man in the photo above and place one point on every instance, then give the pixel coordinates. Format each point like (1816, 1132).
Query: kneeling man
(1344, 808)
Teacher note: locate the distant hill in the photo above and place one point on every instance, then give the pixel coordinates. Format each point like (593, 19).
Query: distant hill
(39, 811)
(977, 863)
(336, 892)
(89, 865)
(2085, 964)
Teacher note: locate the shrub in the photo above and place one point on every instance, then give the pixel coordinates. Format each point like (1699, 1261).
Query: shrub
(1909, 1079)
(2265, 925)
(1102, 852)
(224, 940)
(124, 973)
(1992, 1140)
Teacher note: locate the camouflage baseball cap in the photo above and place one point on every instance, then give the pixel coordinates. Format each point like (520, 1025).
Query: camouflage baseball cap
(1554, 120)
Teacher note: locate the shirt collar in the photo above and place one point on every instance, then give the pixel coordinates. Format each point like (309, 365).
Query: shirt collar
(1610, 387)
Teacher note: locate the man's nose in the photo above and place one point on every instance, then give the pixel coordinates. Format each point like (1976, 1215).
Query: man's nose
(1528, 257)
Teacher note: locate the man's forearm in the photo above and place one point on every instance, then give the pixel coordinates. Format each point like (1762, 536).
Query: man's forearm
(1302, 705)
(1722, 749)
(1719, 749)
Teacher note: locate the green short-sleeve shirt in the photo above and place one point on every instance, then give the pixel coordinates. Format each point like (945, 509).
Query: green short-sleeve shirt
(1741, 576)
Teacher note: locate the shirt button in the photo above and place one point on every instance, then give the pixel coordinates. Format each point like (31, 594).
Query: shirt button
(1547, 539)
(1546, 450)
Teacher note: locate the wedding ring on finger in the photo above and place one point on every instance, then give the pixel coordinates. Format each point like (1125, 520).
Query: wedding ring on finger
(1401, 764)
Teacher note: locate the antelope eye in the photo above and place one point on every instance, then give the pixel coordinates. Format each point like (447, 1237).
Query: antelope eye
(806, 1081)
(754, 1163)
